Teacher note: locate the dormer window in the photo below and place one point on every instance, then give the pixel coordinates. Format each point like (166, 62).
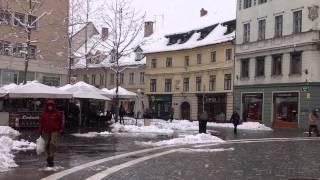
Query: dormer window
(139, 55)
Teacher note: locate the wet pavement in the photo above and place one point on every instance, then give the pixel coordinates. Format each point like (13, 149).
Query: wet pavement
(265, 159)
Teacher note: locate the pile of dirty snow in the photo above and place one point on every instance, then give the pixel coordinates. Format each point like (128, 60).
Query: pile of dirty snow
(189, 139)
(179, 125)
(254, 126)
(8, 144)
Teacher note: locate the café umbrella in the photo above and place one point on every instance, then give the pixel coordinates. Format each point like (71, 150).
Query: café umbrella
(123, 93)
(34, 89)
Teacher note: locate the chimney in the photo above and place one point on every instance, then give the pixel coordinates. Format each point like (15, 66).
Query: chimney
(203, 12)
(148, 28)
(104, 33)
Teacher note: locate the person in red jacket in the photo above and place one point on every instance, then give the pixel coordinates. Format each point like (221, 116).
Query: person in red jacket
(51, 126)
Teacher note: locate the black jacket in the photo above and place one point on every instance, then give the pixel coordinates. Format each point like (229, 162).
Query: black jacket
(235, 118)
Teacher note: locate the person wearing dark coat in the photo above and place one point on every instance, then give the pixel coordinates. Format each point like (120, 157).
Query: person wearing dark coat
(235, 119)
(122, 112)
(203, 122)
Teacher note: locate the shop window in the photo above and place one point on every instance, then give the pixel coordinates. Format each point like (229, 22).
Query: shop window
(245, 68)
(85, 78)
(168, 85)
(30, 76)
(286, 107)
(260, 63)
(227, 82)
(51, 80)
(277, 65)
(262, 1)
(252, 107)
(9, 77)
(296, 63)
(278, 26)
(185, 84)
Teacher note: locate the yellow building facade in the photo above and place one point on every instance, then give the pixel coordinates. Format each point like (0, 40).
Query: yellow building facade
(196, 78)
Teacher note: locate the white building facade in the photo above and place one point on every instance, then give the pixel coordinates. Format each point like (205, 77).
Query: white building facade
(277, 69)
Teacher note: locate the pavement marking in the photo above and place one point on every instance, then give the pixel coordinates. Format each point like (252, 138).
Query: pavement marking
(114, 169)
(247, 141)
(93, 163)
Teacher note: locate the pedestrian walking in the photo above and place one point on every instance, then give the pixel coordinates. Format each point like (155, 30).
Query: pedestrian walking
(313, 121)
(171, 114)
(235, 120)
(51, 126)
(203, 122)
(122, 112)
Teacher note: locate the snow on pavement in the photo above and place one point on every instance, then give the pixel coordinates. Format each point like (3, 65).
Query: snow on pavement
(187, 140)
(7, 145)
(91, 134)
(252, 126)
(118, 128)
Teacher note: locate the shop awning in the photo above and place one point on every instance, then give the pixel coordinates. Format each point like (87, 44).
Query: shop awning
(34, 89)
(84, 92)
(123, 93)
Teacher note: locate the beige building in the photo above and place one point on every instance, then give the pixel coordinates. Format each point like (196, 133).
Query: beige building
(49, 43)
(191, 70)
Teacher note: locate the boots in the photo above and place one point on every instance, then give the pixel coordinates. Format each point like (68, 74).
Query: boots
(50, 162)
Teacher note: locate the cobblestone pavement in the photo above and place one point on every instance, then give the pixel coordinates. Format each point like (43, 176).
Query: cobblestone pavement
(292, 158)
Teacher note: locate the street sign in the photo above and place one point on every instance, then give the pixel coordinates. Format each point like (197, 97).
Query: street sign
(305, 89)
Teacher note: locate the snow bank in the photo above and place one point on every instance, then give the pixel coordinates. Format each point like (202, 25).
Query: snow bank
(180, 125)
(254, 126)
(189, 139)
(118, 128)
(208, 150)
(7, 145)
(8, 131)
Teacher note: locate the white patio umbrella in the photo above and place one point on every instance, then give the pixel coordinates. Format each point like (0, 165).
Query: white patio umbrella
(65, 87)
(123, 93)
(34, 89)
(81, 83)
(10, 86)
(85, 92)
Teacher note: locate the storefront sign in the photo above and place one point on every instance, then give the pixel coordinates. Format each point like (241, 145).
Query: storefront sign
(160, 98)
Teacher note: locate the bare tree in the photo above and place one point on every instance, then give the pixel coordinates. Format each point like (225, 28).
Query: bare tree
(125, 25)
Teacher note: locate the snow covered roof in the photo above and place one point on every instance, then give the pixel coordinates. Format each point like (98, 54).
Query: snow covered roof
(212, 34)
